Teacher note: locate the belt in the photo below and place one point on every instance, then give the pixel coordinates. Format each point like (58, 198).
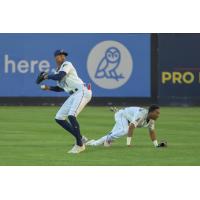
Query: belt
(73, 91)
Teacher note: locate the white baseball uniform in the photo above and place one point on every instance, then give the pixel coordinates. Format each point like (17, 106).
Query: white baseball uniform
(81, 94)
(134, 115)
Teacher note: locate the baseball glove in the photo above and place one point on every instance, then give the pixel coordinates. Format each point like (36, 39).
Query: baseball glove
(113, 109)
(41, 77)
(162, 144)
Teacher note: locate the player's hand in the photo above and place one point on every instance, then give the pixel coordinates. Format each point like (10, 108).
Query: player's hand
(162, 144)
(44, 87)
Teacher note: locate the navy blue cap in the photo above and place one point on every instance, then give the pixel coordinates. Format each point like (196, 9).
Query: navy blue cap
(60, 52)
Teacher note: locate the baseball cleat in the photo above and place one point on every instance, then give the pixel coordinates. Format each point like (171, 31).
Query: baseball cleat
(84, 139)
(77, 149)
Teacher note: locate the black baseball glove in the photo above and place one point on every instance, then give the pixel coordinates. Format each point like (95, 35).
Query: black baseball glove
(41, 77)
(162, 144)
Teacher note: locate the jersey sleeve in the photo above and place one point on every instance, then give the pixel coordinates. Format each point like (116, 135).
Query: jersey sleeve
(66, 67)
(136, 119)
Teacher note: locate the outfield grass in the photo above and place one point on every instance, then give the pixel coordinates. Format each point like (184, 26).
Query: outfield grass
(29, 136)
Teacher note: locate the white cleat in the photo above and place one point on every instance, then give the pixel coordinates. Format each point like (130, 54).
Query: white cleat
(90, 143)
(84, 139)
(77, 149)
(107, 143)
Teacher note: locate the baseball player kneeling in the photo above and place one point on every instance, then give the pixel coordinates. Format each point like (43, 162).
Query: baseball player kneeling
(127, 120)
(68, 81)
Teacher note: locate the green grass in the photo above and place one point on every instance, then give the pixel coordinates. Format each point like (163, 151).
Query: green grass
(30, 137)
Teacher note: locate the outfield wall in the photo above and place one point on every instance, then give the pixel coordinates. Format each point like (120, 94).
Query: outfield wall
(148, 68)
(126, 77)
(179, 69)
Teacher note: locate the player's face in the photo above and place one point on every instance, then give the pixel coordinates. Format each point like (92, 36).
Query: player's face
(155, 114)
(60, 59)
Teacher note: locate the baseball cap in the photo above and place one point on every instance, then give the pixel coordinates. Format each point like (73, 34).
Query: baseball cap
(60, 52)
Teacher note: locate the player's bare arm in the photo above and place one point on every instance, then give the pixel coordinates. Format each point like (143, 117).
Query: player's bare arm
(130, 134)
(152, 135)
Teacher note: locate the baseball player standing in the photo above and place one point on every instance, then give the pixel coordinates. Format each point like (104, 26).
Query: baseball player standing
(80, 94)
(127, 120)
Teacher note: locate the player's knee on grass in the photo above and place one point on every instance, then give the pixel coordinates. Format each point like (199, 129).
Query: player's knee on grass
(119, 133)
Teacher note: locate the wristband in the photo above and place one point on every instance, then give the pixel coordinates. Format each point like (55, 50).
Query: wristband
(128, 141)
(155, 143)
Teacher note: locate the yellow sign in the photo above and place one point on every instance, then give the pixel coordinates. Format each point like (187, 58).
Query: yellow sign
(176, 77)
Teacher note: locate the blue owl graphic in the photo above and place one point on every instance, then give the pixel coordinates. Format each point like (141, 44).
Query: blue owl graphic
(108, 65)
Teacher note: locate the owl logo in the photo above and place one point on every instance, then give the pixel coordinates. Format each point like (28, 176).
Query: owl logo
(108, 65)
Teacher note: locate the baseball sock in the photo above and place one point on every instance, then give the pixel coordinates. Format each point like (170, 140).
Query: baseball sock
(76, 129)
(66, 125)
